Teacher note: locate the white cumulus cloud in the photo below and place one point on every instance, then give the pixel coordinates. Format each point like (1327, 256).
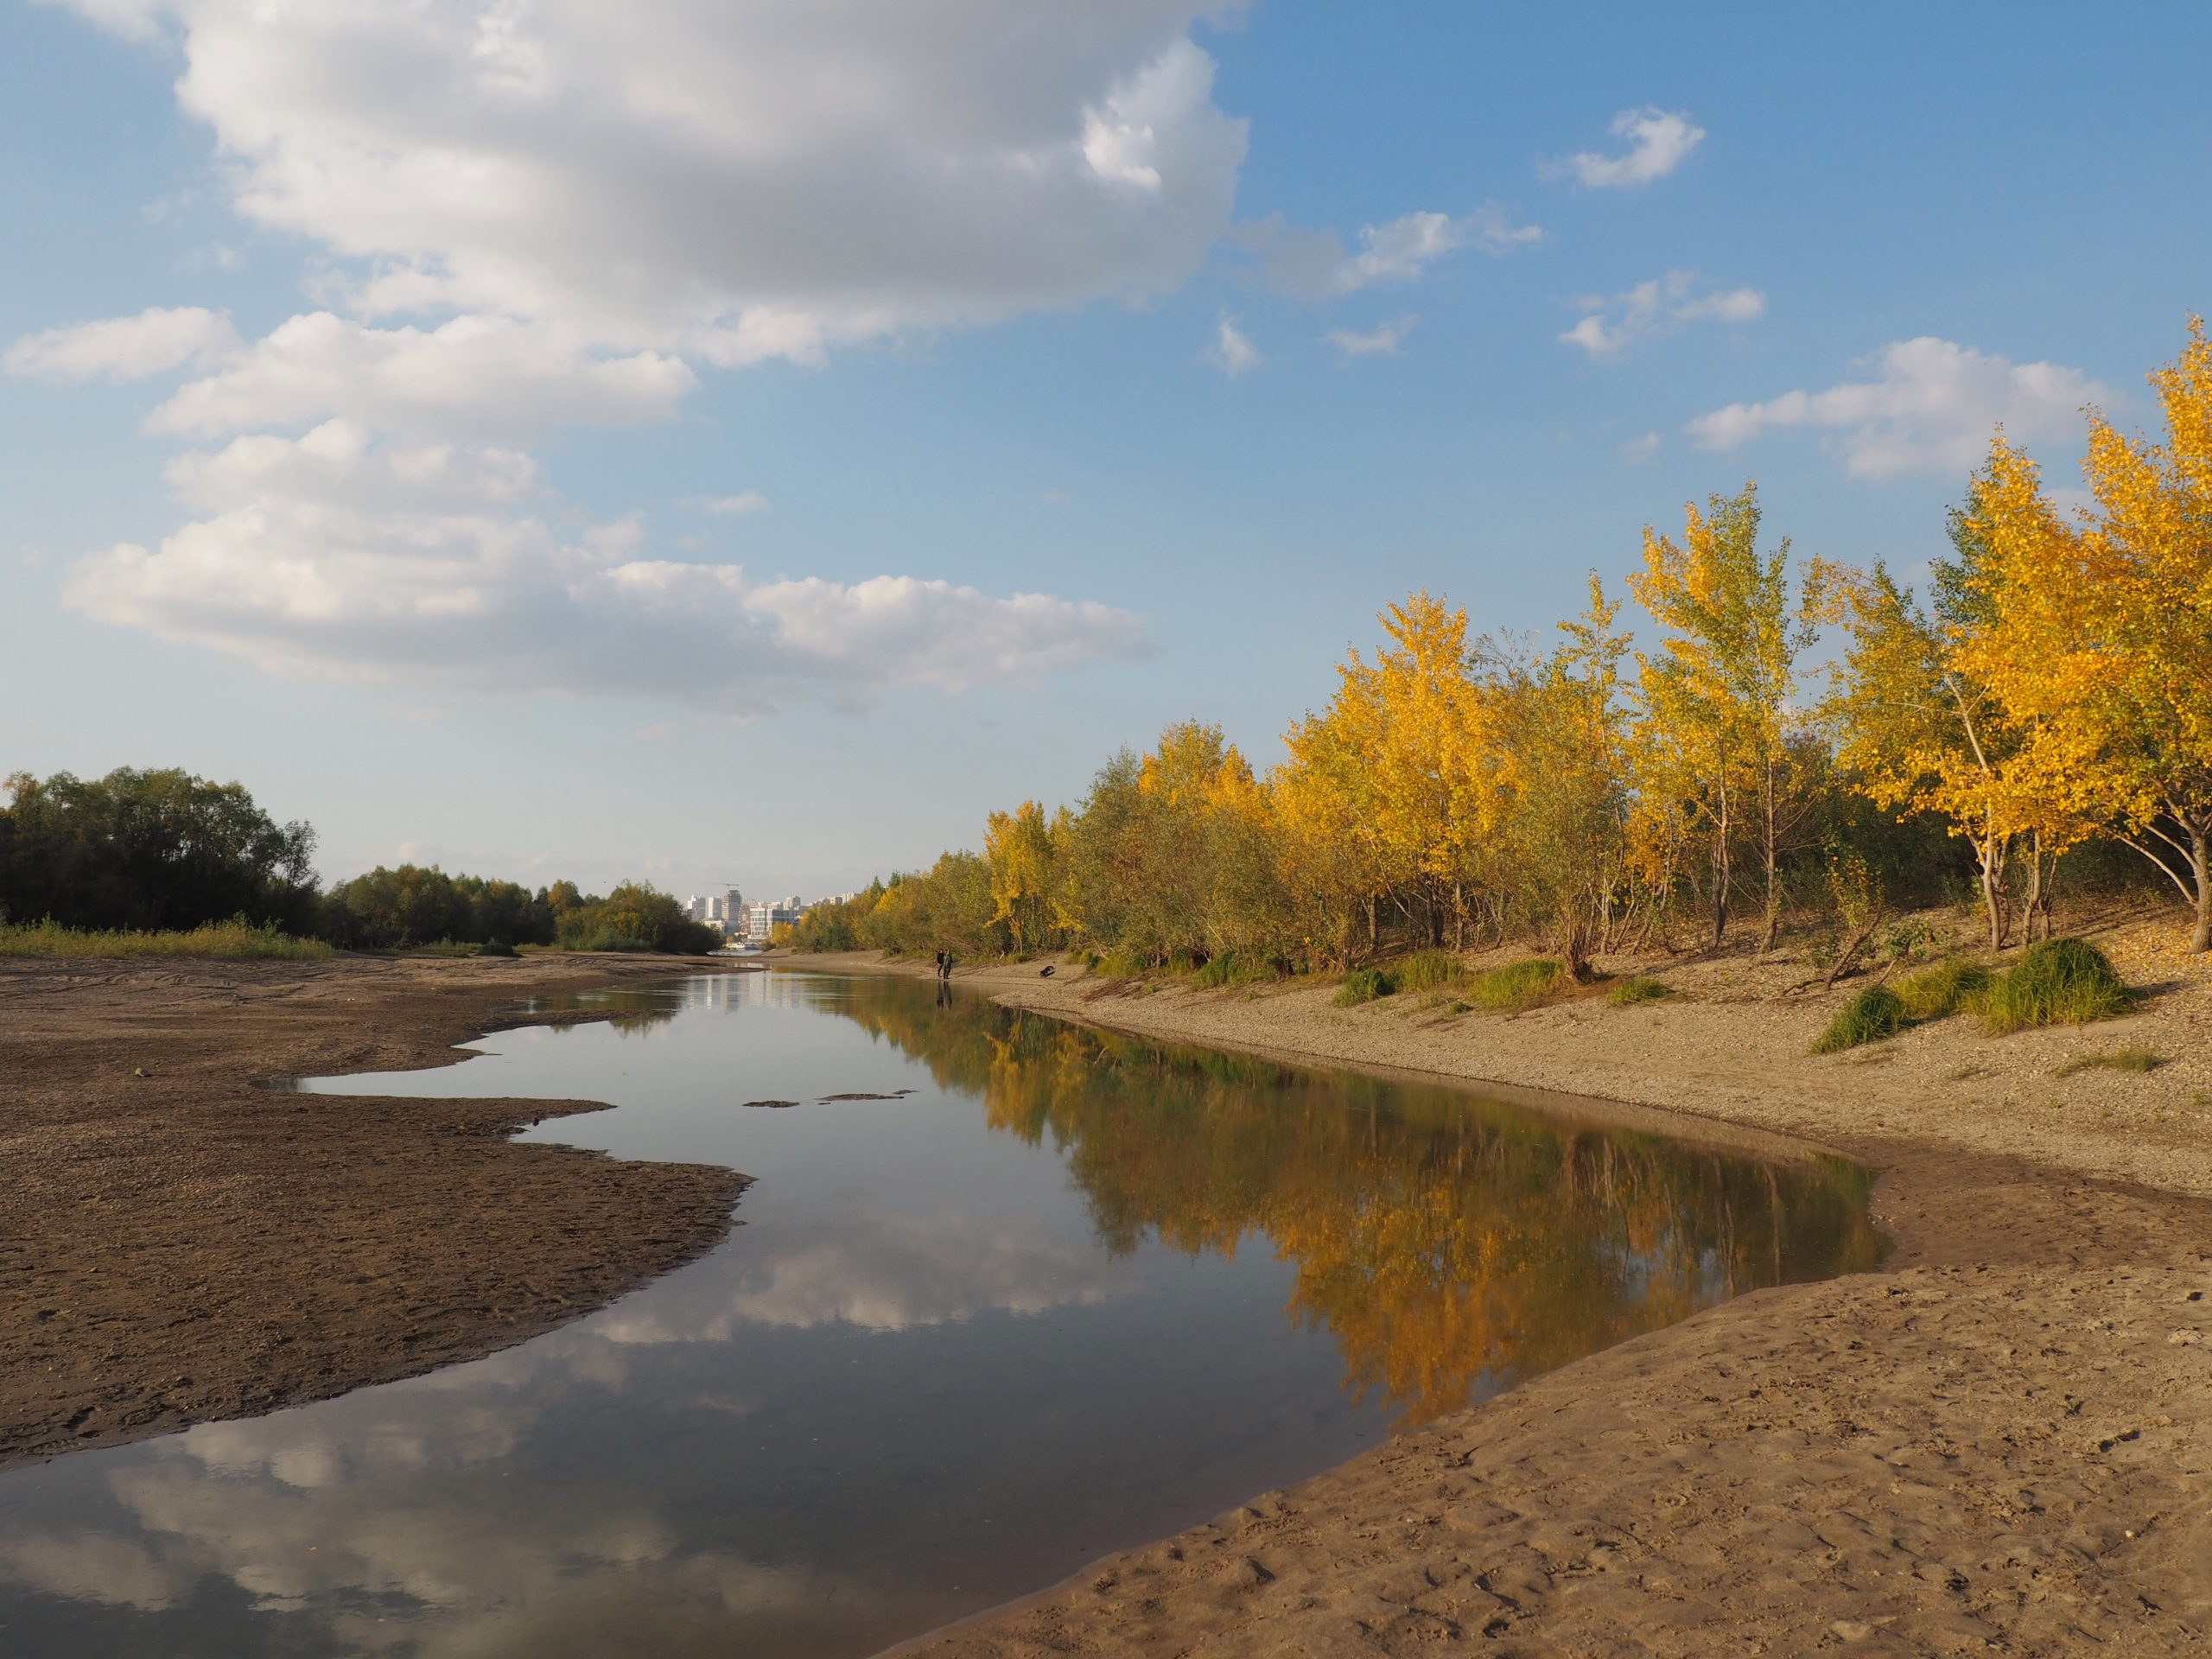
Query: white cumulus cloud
(1659, 305)
(1316, 265)
(743, 504)
(1232, 351)
(1657, 140)
(1382, 340)
(759, 177)
(472, 376)
(1930, 406)
(331, 554)
(124, 348)
(534, 213)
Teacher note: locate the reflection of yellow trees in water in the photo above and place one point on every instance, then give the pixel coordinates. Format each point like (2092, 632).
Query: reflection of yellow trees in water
(1451, 1245)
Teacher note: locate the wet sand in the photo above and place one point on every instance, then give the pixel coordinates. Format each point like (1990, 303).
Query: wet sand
(2001, 1441)
(181, 1246)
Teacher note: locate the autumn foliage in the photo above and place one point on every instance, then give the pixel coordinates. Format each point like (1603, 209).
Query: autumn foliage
(2055, 689)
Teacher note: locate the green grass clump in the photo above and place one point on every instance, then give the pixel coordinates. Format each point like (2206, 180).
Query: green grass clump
(2060, 982)
(1121, 963)
(1364, 985)
(1944, 990)
(233, 941)
(1230, 968)
(1517, 985)
(1638, 988)
(1432, 971)
(1875, 1012)
(2134, 1057)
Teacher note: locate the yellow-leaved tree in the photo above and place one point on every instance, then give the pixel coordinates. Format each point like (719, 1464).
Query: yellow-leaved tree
(1568, 764)
(1404, 761)
(1721, 724)
(1023, 852)
(2144, 654)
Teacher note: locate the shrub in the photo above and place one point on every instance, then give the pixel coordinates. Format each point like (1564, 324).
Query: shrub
(1638, 988)
(1909, 940)
(1364, 985)
(237, 940)
(1875, 1012)
(1228, 967)
(2059, 981)
(1516, 986)
(1944, 990)
(1432, 971)
(1121, 962)
(636, 917)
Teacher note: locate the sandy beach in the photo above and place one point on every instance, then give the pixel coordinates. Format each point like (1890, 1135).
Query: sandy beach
(178, 1245)
(2001, 1441)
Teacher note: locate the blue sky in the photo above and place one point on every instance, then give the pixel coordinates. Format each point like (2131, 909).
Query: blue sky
(462, 318)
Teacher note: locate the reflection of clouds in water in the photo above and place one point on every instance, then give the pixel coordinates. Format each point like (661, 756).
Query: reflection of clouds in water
(363, 1535)
(92, 1567)
(896, 1275)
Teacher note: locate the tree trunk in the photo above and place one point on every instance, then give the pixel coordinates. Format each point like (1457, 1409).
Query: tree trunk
(2200, 849)
(1990, 851)
(1769, 849)
(1720, 881)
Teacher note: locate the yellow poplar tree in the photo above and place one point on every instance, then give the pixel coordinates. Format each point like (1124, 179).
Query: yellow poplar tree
(2149, 629)
(1018, 847)
(1718, 696)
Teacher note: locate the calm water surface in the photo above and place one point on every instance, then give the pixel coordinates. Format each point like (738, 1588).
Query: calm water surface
(1065, 1292)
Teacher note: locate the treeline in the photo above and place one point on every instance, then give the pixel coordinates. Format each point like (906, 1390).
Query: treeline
(163, 851)
(2051, 700)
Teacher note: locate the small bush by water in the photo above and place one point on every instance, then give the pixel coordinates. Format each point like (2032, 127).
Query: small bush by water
(2060, 982)
(1364, 985)
(232, 941)
(1875, 1012)
(1638, 988)
(1516, 986)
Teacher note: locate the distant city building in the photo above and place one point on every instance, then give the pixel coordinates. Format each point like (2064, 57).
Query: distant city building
(761, 919)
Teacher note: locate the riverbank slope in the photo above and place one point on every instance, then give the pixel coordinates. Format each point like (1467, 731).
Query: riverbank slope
(2002, 1441)
(177, 1245)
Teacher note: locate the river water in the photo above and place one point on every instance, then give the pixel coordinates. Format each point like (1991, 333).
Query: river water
(1036, 1294)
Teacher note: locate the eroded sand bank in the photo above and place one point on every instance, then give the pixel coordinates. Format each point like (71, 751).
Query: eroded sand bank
(177, 1245)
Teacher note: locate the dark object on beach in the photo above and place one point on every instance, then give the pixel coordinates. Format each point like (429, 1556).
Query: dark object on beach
(771, 1103)
(1046, 972)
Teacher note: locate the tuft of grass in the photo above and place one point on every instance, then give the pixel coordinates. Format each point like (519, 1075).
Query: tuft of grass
(1364, 985)
(1638, 988)
(1875, 1012)
(1230, 968)
(1432, 971)
(2134, 1058)
(231, 941)
(1121, 963)
(2060, 982)
(1516, 986)
(1935, 992)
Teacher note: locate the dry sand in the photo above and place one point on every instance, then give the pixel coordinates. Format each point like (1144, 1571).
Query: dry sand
(2000, 1442)
(179, 1246)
